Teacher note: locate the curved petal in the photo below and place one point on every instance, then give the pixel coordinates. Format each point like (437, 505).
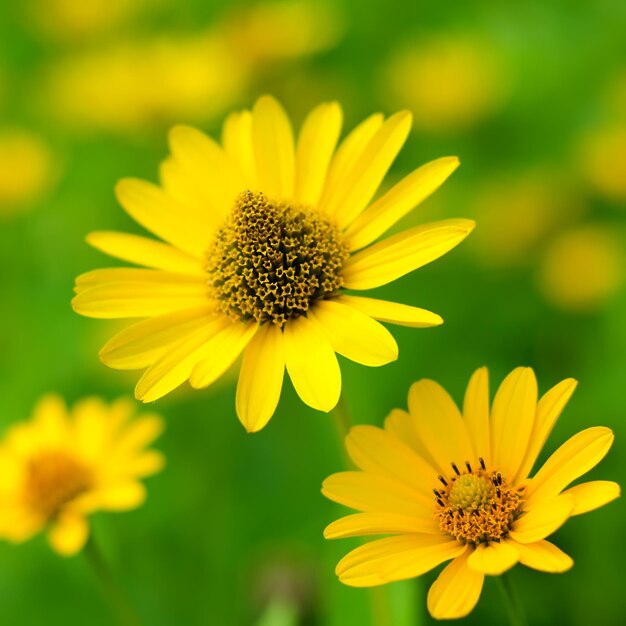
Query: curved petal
(396, 558)
(311, 364)
(400, 254)
(544, 556)
(542, 520)
(260, 378)
(493, 558)
(68, 534)
(456, 591)
(476, 413)
(316, 144)
(398, 201)
(353, 334)
(512, 420)
(392, 312)
(401, 425)
(237, 141)
(123, 496)
(593, 494)
(374, 523)
(274, 156)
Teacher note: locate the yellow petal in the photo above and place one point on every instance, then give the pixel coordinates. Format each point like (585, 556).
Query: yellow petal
(373, 450)
(456, 591)
(373, 523)
(260, 378)
(512, 420)
(311, 364)
(316, 144)
(146, 252)
(392, 312)
(493, 558)
(593, 494)
(398, 201)
(51, 418)
(549, 408)
(400, 254)
(68, 534)
(174, 367)
(148, 205)
(139, 434)
(147, 464)
(274, 156)
(237, 141)
(439, 425)
(224, 348)
(476, 413)
(573, 459)
(354, 335)
(544, 556)
(141, 344)
(401, 425)
(369, 170)
(540, 521)
(121, 496)
(396, 558)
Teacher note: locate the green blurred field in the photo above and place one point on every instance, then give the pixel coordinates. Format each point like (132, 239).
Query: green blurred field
(236, 519)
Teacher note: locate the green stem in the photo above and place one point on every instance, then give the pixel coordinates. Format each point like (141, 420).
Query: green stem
(111, 590)
(512, 601)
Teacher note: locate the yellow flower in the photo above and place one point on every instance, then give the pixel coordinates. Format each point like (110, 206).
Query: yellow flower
(63, 465)
(451, 486)
(262, 238)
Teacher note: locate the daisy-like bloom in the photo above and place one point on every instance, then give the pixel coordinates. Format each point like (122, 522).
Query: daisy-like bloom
(262, 238)
(447, 485)
(62, 465)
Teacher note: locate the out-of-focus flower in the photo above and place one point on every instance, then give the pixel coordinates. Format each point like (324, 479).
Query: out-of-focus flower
(25, 169)
(451, 486)
(583, 267)
(263, 235)
(449, 83)
(61, 466)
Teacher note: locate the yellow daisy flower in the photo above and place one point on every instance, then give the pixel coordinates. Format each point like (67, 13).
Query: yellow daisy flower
(62, 465)
(262, 236)
(447, 485)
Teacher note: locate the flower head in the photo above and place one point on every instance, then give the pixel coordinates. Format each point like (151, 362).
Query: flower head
(446, 485)
(262, 238)
(63, 465)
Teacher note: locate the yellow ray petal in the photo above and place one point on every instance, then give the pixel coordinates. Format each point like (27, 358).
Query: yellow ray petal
(311, 364)
(439, 425)
(392, 312)
(373, 523)
(141, 344)
(398, 201)
(396, 558)
(68, 534)
(274, 152)
(544, 556)
(542, 520)
(593, 494)
(401, 425)
(573, 459)
(237, 141)
(50, 417)
(260, 378)
(225, 347)
(354, 335)
(146, 464)
(117, 275)
(148, 205)
(139, 434)
(476, 413)
(456, 591)
(400, 254)
(122, 496)
(549, 408)
(316, 144)
(493, 558)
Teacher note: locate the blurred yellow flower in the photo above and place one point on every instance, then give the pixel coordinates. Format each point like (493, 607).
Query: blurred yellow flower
(63, 465)
(25, 168)
(262, 236)
(448, 82)
(451, 486)
(583, 267)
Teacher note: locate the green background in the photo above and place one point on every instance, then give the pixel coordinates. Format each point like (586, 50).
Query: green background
(234, 523)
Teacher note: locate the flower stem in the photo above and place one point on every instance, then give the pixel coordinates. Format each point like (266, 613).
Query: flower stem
(111, 590)
(512, 601)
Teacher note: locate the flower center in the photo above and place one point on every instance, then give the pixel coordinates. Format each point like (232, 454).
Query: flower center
(271, 261)
(53, 478)
(476, 506)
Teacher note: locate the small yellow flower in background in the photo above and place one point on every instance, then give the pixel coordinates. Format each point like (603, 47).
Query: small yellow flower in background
(455, 486)
(261, 236)
(63, 465)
